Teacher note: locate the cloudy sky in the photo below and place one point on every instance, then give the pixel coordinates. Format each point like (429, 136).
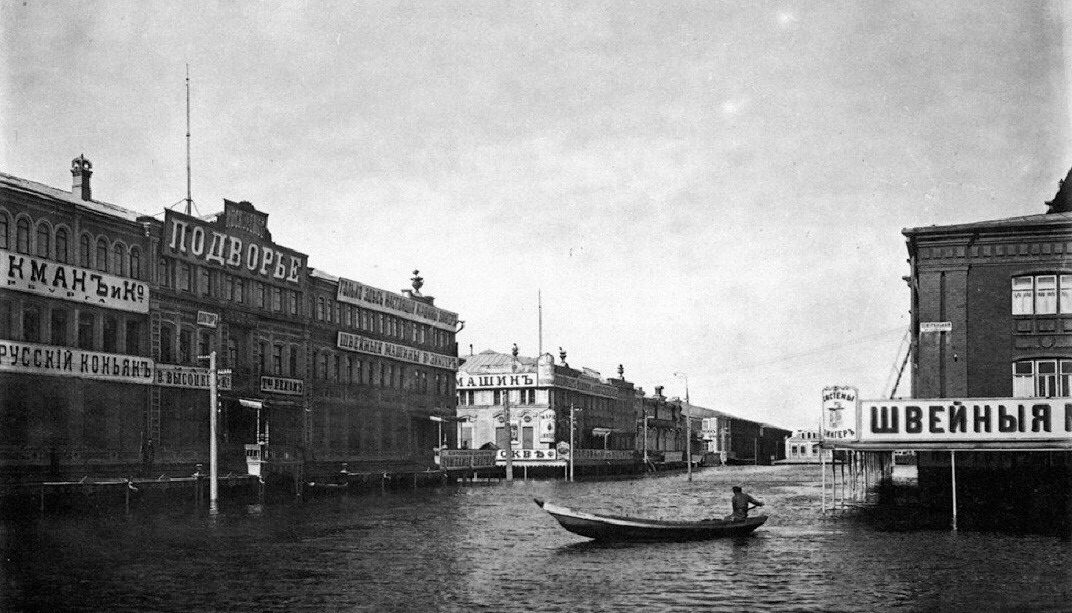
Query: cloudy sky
(713, 188)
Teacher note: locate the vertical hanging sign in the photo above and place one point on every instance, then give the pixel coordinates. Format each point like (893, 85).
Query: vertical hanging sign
(840, 414)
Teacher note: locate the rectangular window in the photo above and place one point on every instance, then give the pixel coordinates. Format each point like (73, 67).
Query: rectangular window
(204, 343)
(228, 287)
(185, 347)
(1046, 381)
(1023, 289)
(293, 361)
(293, 302)
(277, 299)
(5, 316)
(1064, 389)
(133, 340)
(1046, 295)
(240, 291)
(111, 334)
(86, 323)
(58, 332)
(277, 359)
(498, 396)
(260, 290)
(262, 357)
(186, 277)
(31, 325)
(1066, 294)
(206, 282)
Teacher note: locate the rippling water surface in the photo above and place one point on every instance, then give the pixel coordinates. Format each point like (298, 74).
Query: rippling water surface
(489, 548)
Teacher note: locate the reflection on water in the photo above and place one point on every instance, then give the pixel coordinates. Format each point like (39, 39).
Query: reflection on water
(490, 548)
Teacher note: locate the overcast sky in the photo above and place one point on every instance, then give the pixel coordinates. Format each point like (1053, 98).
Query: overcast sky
(713, 188)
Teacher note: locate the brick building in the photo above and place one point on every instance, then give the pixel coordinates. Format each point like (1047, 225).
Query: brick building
(105, 316)
(992, 312)
(75, 365)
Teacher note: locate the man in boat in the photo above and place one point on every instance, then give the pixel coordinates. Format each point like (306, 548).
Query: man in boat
(741, 502)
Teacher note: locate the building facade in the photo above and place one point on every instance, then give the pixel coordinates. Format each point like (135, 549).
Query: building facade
(992, 319)
(75, 362)
(107, 318)
(803, 447)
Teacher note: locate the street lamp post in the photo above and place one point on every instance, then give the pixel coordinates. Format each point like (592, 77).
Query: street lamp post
(572, 438)
(509, 436)
(213, 469)
(688, 425)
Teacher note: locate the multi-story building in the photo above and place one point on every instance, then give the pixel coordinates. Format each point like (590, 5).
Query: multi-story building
(107, 316)
(992, 318)
(525, 404)
(75, 366)
(803, 447)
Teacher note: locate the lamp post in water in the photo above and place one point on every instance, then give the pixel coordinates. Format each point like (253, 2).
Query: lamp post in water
(573, 450)
(688, 425)
(213, 470)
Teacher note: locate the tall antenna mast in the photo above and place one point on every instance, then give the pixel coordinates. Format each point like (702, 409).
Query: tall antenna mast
(539, 308)
(189, 200)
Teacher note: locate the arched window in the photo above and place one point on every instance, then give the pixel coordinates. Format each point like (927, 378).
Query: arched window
(3, 230)
(44, 240)
(135, 263)
(118, 255)
(83, 251)
(61, 244)
(102, 255)
(22, 236)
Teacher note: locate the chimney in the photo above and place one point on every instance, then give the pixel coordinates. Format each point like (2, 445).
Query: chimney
(82, 169)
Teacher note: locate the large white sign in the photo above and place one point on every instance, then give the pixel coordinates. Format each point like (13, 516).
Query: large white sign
(37, 359)
(370, 346)
(190, 377)
(931, 327)
(26, 273)
(384, 301)
(839, 413)
(194, 239)
(966, 420)
(468, 381)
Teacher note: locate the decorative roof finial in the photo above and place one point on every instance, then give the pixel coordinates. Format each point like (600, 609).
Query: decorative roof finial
(621, 372)
(562, 356)
(418, 281)
(514, 351)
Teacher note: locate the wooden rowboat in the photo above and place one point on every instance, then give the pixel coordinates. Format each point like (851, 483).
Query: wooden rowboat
(618, 528)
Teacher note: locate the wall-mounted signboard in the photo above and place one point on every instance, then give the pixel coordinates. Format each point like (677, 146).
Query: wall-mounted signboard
(38, 359)
(43, 277)
(369, 346)
(376, 299)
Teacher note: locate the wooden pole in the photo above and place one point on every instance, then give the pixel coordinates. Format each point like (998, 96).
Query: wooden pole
(953, 471)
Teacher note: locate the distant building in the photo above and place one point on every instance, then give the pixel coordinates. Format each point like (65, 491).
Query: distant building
(803, 448)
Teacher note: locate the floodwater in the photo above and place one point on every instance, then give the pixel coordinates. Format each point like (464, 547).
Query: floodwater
(487, 547)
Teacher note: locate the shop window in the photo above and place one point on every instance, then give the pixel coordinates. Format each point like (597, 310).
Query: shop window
(62, 254)
(133, 339)
(102, 255)
(58, 327)
(22, 236)
(111, 334)
(44, 240)
(31, 324)
(86, 324)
